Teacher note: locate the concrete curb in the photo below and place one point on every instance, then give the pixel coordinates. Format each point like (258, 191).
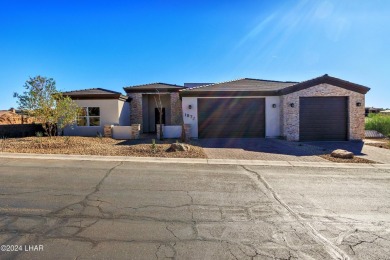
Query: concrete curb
(191, 161)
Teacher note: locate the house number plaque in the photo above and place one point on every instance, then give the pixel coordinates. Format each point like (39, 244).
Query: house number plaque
(190, 116)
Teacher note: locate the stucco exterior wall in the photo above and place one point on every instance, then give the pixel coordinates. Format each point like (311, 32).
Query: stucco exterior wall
(109, 115)
(272, 115)
(190, 116)
(290, 115)
(124, 113)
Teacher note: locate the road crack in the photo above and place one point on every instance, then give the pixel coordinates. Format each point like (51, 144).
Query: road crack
(332, 249)
(83, 204)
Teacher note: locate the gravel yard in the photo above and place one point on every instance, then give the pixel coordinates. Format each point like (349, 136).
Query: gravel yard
(340, 160)
(95, 146)
(385, 145)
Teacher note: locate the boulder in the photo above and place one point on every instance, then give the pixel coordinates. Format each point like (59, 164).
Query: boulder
(344, 154)
(178, 147)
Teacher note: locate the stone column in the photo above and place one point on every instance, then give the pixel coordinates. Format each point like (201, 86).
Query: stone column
(136, 108)
(108, 130)
(135, 131)
(176, 109)
(187, 131)
(158, 130)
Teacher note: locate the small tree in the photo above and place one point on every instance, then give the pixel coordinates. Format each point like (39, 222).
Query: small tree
(42, 101)
(160, 110)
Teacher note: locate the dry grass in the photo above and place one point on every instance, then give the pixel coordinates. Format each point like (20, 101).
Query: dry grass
(340, 160)
(96, 146)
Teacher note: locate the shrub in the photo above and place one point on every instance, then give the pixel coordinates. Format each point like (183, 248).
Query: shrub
(67, 140)
(99, 135)
(378, 122)
(153, 145)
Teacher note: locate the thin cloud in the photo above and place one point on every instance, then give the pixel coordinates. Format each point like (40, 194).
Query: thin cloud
(257, 30)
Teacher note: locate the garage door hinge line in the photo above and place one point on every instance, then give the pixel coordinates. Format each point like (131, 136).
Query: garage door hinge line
(332, 249)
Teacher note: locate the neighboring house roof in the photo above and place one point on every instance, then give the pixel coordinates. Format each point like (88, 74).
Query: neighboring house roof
(248, 87)
(152, 87)
(374, 108)
(95, 93)
(373, 134)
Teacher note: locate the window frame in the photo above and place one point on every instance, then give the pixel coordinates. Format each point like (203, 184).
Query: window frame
(88, 117)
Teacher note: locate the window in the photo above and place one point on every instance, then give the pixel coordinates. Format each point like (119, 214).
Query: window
(90, 116)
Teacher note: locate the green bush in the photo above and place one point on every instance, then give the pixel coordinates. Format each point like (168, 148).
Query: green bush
(378, 122)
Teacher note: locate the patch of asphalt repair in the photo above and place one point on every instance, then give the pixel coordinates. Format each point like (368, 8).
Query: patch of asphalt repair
(332, 249)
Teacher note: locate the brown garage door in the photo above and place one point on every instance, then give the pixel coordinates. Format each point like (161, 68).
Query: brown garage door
(231, 117)
(323, 118)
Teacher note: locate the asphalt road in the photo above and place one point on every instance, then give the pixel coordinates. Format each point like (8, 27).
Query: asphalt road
(52, 209)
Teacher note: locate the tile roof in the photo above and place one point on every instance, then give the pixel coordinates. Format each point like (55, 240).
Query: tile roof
(326, 79)
(373, 134)
(244, 84)
(248, 86)
(192, 85)
(95, 93)
(153, 87)
(91, 91)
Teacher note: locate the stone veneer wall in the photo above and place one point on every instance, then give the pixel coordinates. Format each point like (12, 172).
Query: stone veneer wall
(136, 108)
(176, 109)
(290, 115)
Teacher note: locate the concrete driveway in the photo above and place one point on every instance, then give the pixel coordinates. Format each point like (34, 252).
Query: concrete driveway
(281, 150)
(127, 210)
(259, 149)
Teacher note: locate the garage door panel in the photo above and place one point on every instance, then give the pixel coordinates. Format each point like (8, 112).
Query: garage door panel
(323, 118)
(231, 117)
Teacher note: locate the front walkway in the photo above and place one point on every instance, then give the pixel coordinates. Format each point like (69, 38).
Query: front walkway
(260, 149)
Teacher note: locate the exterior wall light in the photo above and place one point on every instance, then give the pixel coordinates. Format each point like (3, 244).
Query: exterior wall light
(273, 105)
(358, 104)
(189, 106)
(292, 105)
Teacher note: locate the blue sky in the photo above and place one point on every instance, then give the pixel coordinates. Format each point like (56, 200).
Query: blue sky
(112, 44)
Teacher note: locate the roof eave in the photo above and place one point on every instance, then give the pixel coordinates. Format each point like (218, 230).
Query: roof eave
(98, 96)
(151, 90)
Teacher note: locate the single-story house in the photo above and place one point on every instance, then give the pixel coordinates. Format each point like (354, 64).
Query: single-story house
(373, 110)
(324, 108)
(100, 107)
(385, 112)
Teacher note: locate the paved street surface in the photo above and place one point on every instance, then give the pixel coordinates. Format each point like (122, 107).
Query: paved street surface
(114, 210)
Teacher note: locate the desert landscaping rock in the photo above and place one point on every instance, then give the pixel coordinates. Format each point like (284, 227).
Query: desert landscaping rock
(178, 147)
(343, 154)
